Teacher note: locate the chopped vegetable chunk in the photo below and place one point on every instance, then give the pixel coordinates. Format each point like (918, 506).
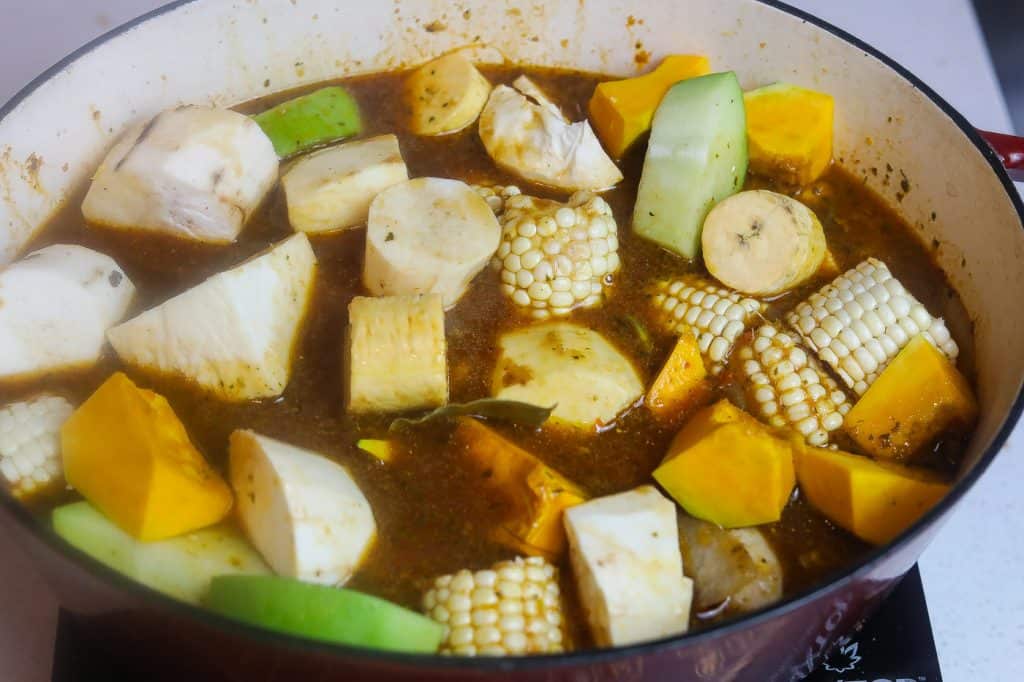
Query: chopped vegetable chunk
(397, 354)
(381, 449)
(30, 459)
(692, 304)
(727, 468)
(914, 400)
(735, 567)
(196, 173)
(629, 571)
(305, 122)
(234, 333)
(621, 111)
(876, 501)
(696, 157)
(303, 512)
(789, 130)
(428, 236)
(126, 452)
(571, 367)
(787, 387)
(332, 188)
(533, 494)
(525, 133)
(325, 613)
(57, 304)
(762, 243)
(446, 95)
(181, 567)
(513, 608)
(681, 381)
(859, 322)
(556, 257)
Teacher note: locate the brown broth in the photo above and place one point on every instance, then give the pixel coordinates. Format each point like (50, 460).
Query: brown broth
(433, 517)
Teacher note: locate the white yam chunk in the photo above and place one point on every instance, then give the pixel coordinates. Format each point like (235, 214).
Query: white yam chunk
(56, 305)
(332, 189)
(397, 355)
(574, 368)
(526, 133)
(303, 512)
(428, 235)
(234, 333)
(625, 556)
(192, 172)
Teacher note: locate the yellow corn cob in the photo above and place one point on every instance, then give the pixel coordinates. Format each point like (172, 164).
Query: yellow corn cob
(861, 321)
(786, 387)
(513, 608)
(716, 316)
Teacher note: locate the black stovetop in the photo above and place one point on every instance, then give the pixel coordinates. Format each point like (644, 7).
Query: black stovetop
(896, 645)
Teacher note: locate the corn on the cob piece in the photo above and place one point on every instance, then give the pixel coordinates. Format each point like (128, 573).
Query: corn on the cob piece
(716, 316)
(513, 608)
(861, 321)
(30, 443)
(555, 257)
(787, 387)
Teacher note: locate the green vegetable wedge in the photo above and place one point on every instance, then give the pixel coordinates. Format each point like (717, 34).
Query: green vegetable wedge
(697, 156)
(326, 613)
(181, 567)
(305, 122)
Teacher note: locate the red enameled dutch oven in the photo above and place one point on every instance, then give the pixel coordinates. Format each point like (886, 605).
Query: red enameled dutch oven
(54, 132)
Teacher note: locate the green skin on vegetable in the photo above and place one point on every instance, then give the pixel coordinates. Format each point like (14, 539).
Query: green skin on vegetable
(303, 123)
(697, 156)
(326, 613)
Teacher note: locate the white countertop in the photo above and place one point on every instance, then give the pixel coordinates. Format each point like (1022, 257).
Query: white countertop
(972, 573)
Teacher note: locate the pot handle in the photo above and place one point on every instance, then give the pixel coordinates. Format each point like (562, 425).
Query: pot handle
(1010, 150)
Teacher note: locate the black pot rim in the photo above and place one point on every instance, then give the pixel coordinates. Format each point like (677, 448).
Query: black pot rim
(831, 584)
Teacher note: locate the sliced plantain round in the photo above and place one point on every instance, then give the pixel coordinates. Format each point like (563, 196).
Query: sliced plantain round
(762, 243)
(446, 95)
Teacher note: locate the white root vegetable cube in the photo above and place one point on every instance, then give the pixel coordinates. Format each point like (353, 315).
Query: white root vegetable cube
(332, 189)
(234, 333)
(625, 556)
(397, 354)
(428, 236)
(193, 172)
(55, 307)
(303, 512)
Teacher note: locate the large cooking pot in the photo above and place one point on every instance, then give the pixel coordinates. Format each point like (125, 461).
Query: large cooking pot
(889, 127)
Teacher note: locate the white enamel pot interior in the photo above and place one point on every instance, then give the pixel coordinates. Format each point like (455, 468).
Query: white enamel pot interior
(927, 160)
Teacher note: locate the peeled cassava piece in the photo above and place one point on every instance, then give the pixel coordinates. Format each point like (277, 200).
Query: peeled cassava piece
(762, 243)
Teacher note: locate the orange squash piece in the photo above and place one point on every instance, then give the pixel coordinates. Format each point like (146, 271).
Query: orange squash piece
(127, 453)
(621, 111)
(680, 383)
(726, 467)
(916, 398)
(535, 495)
(789, 132)
(876, 501)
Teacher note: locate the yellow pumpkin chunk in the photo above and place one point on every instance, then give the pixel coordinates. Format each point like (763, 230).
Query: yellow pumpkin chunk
(126, 452)
(876, 501)
(534, 495)
(381, 449)
(621, 111)
(680, 383)
(726, 467)
(789, 132)
(916, 398)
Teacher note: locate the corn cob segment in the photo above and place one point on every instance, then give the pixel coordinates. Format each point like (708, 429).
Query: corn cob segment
(786, 387)
(512, 609)
(716, 316)
(30, 459)
(554, 257)
(861, 321)
(496, 195)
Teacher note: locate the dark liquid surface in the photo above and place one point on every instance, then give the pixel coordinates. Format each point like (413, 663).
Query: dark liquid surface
(433, 517)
